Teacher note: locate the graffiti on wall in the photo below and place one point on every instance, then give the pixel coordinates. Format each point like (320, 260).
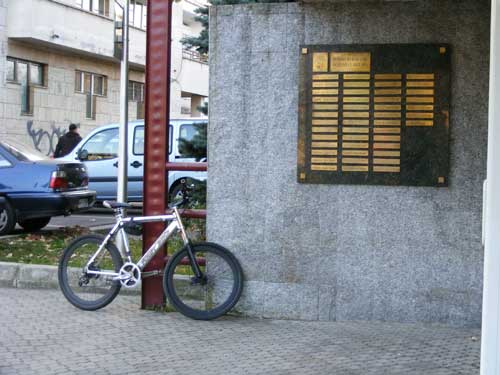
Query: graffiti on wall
(43, 140)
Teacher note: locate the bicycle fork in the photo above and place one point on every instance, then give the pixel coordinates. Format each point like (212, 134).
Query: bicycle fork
(200, 277)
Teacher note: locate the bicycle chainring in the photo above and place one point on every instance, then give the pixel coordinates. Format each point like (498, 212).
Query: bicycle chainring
(129, 275)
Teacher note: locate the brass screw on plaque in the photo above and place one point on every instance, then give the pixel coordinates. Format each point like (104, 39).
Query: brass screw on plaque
(304, 51)
(440, 180)
(302, 176)
(442, 49)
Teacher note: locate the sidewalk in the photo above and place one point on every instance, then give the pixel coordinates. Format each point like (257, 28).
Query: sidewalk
(41, 333)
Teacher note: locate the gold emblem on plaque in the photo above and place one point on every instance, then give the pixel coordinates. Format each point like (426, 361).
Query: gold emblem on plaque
(350, 61)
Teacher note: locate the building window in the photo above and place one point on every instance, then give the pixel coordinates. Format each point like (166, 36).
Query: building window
(138, 13)
(29, 75)
(11, 70)
(95, 6)
(92, 85)
(21, 70)
(136, 94)
(135, 91)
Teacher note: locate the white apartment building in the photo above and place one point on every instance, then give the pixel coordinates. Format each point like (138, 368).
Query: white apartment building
(57, 67)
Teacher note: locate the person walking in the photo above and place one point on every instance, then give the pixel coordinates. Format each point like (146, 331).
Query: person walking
(67, 142)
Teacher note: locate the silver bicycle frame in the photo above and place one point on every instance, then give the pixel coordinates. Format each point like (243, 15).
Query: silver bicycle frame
(175, 225)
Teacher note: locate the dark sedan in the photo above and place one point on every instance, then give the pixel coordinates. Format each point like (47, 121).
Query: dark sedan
(34, 188)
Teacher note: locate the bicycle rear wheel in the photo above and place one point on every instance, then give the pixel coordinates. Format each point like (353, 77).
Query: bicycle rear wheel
(210, 297)
(89, 292)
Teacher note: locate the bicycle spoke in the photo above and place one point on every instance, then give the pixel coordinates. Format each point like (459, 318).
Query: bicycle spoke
(212, 294)
(83, 288)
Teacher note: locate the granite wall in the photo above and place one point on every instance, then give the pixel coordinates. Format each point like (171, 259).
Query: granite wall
(340, 252)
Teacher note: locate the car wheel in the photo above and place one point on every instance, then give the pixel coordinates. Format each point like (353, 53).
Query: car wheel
(32, 225)
(7, 218)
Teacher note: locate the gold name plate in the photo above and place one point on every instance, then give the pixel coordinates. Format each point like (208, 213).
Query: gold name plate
(374, 114)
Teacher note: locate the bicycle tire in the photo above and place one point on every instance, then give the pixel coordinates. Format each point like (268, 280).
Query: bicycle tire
(67, 273)
(178, 288)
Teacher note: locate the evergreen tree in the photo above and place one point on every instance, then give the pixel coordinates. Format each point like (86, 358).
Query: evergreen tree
(197, 146)
(199, 43)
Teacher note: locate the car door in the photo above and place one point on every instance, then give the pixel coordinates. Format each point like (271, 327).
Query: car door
(102, 162)
(185, 129)
(136, 163)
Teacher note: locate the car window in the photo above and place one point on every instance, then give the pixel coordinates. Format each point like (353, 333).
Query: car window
(102, 145)
(21, 152)
(188, 131)
(4, 162)
(139, 140)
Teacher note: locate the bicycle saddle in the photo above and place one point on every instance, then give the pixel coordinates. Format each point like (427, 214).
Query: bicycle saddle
(114, 205)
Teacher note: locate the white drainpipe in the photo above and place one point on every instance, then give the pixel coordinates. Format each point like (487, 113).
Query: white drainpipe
(490, 343)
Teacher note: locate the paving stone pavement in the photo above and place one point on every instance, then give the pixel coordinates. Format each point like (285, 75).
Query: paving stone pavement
(41, 333)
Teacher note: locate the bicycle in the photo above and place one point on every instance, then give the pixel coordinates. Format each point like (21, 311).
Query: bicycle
(202, 281)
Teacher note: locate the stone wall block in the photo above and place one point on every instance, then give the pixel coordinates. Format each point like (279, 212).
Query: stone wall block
(290, 301)
(363, 252)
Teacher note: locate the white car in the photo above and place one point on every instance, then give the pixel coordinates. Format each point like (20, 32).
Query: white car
(99, 152)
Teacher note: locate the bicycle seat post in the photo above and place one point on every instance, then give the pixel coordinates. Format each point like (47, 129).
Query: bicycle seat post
(119, 213)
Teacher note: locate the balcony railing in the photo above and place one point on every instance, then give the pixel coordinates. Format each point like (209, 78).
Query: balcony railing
(194, 56)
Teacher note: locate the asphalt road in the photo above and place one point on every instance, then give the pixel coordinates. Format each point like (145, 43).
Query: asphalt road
(97, 218)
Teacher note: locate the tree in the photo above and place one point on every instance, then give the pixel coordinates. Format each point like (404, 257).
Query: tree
(197, 146)
(199, 43)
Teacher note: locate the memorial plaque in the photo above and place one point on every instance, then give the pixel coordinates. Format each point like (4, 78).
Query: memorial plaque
(374, 114)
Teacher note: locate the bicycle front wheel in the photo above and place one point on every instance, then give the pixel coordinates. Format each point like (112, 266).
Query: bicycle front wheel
(83, 290)
(213, 295)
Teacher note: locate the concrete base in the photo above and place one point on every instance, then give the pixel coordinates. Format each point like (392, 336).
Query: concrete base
(17, 275)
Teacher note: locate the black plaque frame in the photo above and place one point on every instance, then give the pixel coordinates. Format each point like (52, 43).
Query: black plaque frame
(424, 150)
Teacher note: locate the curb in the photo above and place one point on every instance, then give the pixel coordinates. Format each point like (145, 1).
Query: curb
(36, 276)
(17, 275)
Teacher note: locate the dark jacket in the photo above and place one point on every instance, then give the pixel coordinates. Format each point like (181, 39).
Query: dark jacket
(66, 144)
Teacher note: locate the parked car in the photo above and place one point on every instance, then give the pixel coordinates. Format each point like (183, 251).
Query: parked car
(99, 152)
(34, 188)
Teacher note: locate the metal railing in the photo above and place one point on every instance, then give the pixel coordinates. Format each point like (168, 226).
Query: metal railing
(194, 56)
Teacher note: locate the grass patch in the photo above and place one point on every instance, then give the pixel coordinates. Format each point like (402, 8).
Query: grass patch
(46, 247)
(37, 248)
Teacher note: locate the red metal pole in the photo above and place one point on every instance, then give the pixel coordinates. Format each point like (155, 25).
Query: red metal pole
(193, 214)
(195, 167)
(158, 61)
